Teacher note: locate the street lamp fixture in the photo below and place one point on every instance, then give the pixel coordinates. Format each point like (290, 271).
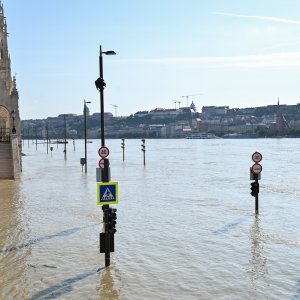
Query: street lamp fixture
(111, 52)
(85, 148)
(13, 115)
(100, 85)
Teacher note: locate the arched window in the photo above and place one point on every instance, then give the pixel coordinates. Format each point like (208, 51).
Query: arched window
(4, 118)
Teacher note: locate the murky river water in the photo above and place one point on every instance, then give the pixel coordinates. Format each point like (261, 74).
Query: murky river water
(186, 223)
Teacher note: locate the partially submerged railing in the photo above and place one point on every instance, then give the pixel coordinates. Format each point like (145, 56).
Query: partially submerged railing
(4, 135)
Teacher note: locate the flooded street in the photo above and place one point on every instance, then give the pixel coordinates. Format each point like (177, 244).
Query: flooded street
(186, 226)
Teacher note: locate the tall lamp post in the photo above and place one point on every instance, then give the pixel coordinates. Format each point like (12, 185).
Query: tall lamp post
(28, 135)
(85, 148)
(13, 115)
(47, 135)
(35, 137)
(65, 123)
(100, 85)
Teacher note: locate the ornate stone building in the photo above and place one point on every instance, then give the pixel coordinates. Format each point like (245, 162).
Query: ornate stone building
(10, 138)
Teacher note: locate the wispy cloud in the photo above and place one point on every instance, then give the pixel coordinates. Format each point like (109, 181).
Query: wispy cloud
(289, 59)
(262, 18)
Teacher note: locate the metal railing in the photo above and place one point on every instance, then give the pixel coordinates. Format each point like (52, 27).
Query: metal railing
(4, 135)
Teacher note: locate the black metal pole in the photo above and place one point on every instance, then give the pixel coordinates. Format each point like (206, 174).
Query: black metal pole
(47, 136)
(85, 150)
(144, 151)
(65, 149)
(101, 99)
(28, 136)
(123, 147)
(256, 199)
(105, 170)
(35, 138)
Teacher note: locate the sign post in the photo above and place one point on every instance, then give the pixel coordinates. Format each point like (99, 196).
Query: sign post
(255, 173)
(106, 236)
(144, 150)
(123, 148)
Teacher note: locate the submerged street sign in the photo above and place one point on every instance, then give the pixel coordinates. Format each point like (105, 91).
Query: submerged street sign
(256, 157)
(107, 193)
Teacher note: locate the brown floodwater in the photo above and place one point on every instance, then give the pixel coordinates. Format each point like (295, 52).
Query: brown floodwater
(186, 226)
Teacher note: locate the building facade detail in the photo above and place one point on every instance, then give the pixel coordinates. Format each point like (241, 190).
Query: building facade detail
(9, 107)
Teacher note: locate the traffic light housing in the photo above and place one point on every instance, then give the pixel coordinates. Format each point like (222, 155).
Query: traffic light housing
(100, 84)
(111, 219)
(143, 145)
(254, 189)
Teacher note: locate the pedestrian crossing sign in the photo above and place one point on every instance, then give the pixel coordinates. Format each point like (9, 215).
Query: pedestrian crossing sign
(107, 193)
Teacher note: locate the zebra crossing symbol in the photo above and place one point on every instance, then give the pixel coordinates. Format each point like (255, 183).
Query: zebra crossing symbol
(107, 193)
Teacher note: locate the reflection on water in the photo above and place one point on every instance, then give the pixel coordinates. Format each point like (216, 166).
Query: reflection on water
(258, 263)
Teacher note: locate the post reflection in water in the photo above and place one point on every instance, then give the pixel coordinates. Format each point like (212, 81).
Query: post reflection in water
(258, 262)
(13, 231)
(107, 288)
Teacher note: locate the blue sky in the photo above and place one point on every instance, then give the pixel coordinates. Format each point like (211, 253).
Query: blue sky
(226, 52)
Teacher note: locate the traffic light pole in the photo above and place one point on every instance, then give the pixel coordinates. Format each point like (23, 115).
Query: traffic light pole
(123, 148)
(105, 208)
(255, 172)
(256, 196)
(144, 150)
(105, 175)
(255, 191)
(107, 237)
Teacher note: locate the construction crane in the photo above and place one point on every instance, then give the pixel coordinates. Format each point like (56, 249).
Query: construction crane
(187, 98)
(116, 107)
(175, 104)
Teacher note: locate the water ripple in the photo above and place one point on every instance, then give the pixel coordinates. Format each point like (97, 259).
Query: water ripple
(56, 291)
(66, 232)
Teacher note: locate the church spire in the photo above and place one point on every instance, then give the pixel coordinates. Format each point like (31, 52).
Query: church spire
(5, 69)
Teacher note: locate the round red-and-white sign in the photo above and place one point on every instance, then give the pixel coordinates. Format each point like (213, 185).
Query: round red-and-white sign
(256, 168)
(103, 152)
(256, 157)
(101, 163)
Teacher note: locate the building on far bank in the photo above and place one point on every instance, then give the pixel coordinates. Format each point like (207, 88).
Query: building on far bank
(280, 126)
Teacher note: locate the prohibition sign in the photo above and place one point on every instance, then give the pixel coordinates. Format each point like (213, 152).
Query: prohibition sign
(256, 157)
(103, 152)
(256, 168)
(101, 163)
